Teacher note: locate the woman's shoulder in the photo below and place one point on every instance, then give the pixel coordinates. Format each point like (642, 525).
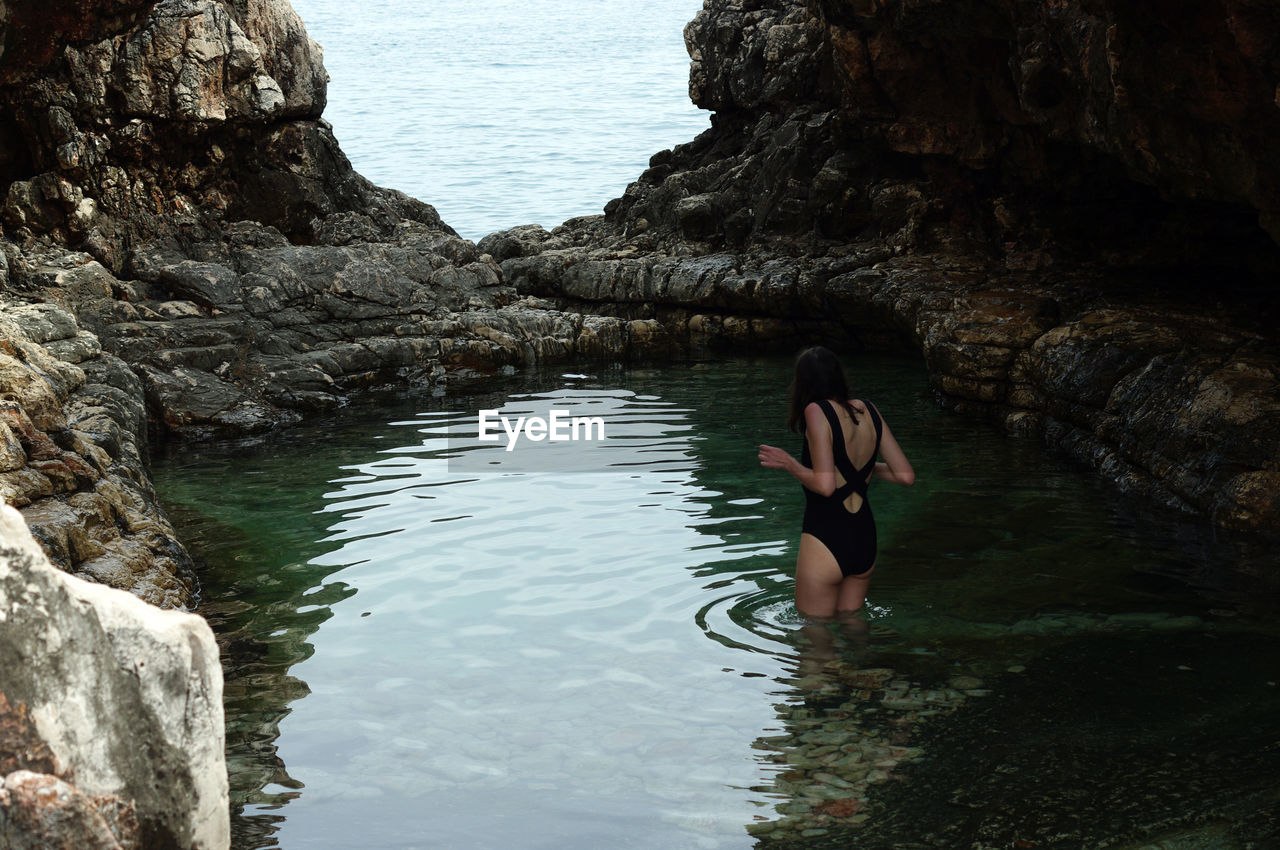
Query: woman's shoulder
(817, 414)
(814, 408)
(815, 411)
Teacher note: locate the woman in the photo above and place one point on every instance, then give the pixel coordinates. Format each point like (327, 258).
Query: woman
(842, 437)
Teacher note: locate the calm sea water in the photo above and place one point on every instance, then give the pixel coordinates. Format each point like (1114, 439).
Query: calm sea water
(506, 112)
(421, 655)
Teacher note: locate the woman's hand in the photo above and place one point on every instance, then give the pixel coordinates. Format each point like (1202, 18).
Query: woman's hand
(772, 457)
(895, 467)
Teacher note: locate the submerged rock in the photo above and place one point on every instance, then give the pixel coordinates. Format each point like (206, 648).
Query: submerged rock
(87, 673)
(845, 729)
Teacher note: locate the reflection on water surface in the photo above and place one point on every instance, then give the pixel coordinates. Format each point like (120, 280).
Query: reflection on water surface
(423, 655)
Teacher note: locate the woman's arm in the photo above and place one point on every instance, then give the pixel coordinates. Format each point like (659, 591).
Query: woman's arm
(821, 479)
(895, 468)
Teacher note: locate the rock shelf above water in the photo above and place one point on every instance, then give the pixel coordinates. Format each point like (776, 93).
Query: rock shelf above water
(1167, 402)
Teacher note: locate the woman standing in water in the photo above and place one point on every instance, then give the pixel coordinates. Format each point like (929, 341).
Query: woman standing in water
(842, 437)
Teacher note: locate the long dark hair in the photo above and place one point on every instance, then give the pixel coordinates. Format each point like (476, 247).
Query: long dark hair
(819, 375)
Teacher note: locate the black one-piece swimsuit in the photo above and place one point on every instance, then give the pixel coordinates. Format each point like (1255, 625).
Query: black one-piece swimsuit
(850, 537)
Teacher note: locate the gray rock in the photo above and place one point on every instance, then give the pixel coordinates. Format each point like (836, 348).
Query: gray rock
(43, 812)
(698, 216)
(215, 72)
(184, 397)
(290, 59)
(27, 206)
(44, 323)
(517, 242)
(207, 284)
(80, 348)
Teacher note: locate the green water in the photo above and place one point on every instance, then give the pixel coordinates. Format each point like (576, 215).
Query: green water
(420, 654)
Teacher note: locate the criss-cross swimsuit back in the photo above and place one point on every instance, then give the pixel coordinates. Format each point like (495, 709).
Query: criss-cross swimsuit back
(850, 536)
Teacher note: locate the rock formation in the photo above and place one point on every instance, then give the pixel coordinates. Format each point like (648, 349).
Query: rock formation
(40, 809)
(173, 187)
(73, 444)
(111, 725)
(1068, 208)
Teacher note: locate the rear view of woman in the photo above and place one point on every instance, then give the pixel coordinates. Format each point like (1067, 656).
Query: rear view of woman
(842, 439)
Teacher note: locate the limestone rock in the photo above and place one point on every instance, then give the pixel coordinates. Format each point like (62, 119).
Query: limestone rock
(516, 242)
(172, 118)
(289, 57)
(192, 61)
(99, 670)
(73, 456)
(33, 34)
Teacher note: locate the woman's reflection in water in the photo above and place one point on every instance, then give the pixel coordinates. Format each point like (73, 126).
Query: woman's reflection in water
(845, 726)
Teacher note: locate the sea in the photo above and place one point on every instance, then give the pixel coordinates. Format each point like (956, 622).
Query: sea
(506, 112)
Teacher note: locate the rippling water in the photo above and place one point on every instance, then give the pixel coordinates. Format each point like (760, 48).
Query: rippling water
(422, 655)
(506, 112)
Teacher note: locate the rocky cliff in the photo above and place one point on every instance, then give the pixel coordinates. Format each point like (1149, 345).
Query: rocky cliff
(1067, 207)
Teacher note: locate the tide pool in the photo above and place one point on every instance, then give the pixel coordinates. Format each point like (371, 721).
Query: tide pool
(420, 654)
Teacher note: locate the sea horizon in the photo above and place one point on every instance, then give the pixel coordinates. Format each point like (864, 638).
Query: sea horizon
(548, 122)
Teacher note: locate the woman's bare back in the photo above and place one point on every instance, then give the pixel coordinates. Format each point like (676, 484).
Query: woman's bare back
(859, 444)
